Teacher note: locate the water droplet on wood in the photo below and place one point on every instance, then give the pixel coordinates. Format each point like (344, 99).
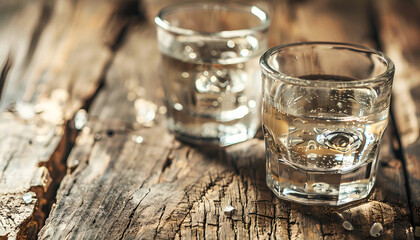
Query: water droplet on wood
(25, 110)
(80, 119)
(137, 139)
(28, 197)
(230, 44)
(228, 209)
(146, 111)
(348, 226)
(252, 104)
(376, 230)
(97, 136)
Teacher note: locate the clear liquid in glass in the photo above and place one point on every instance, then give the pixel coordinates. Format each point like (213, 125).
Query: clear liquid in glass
(212, 90)
(322, 144)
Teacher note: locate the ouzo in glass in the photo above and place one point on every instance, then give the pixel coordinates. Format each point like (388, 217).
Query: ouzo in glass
(210, 70)
(325, 110)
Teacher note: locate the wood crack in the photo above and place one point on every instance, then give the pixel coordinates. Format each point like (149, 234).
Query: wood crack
(204, 220)
(322, 231)
(261, 215)
(168, 160)
(272, 230)
(188, 210)
(7, 165)
(218, 227)
(189, 153)
(289, 232)
(132, 215)
(86, 162)
(213, 183)
(4, 72)
(160, 219)
(232, 224)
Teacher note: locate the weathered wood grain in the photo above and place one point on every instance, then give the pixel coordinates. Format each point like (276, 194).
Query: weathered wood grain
(400, 34)
(13, 210)
(126, 175)
(57, 51)
(15, 44)
(131, 180)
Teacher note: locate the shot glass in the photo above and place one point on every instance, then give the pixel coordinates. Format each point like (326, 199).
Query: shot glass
(325, 110)
(210, 70)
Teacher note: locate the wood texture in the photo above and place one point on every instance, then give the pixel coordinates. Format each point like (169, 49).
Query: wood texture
(400, 34)
(56, 53)
(131, 180)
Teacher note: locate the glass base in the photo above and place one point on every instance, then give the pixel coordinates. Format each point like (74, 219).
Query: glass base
(322, 188)
(213, 134)
(289, 194)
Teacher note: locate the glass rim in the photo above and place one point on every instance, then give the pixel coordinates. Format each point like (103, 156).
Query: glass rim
(387, 74)
(231, 6)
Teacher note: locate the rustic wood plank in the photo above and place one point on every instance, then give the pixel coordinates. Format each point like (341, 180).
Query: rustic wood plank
(132, 180)
(112, 121)
(400, 34)
(16, 44)
(13, 210)
(59, 50)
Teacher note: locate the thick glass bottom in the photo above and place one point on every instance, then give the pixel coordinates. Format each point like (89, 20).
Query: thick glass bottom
(214, 134)
(318, 187)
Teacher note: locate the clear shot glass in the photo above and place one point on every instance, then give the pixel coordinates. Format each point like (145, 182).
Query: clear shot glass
(209, 70)
(325, 109)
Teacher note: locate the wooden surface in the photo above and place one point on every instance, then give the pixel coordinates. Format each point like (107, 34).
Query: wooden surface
(120, 177)
(400, 32)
